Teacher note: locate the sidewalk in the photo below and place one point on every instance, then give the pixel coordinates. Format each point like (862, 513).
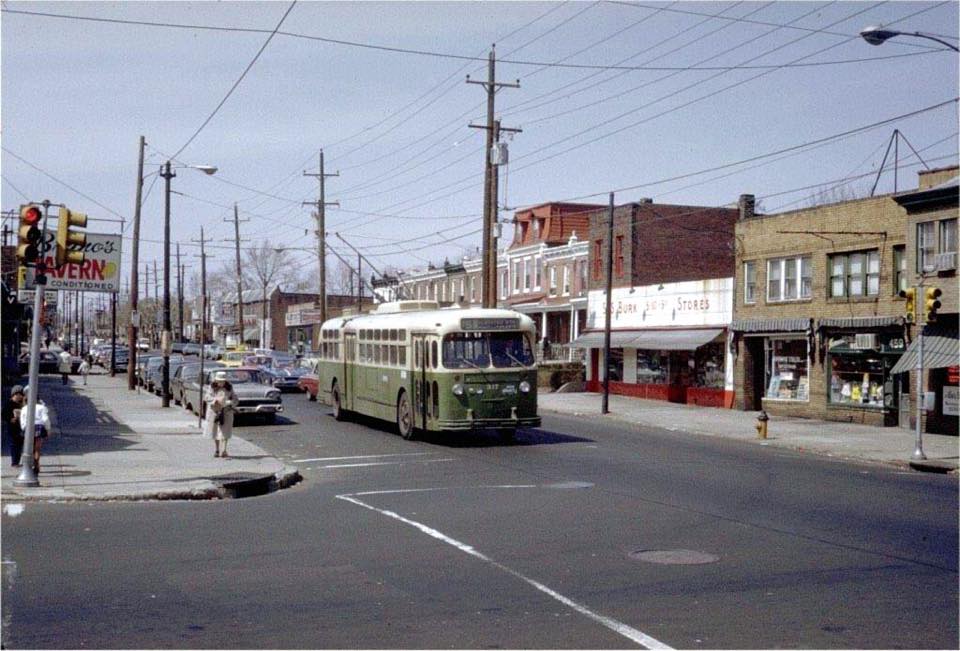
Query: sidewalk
(843, 440)
(109, 443)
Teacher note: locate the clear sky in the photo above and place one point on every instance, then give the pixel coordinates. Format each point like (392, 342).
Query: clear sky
(767, 76)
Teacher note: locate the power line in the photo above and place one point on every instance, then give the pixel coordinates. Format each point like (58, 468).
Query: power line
(239, 79)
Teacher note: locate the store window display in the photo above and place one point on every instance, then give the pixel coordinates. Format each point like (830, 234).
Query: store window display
(653, 367)
(859, 376)
(787, 369)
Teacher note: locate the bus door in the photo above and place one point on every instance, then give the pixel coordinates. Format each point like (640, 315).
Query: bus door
(349, 370)
(421, 362)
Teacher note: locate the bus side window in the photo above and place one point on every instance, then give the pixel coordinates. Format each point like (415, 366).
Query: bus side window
(436, 400)
(403, 356)
(416, 354)
(393, 355)
(433, 354)
(427, 396)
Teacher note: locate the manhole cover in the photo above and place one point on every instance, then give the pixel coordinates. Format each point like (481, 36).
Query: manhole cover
(674, 556)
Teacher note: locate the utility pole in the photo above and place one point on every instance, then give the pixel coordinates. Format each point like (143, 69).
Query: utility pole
(605, 408)
(156, 302)
(236, 239)
(180, 295)
(489, 255)
(203, 311)
(359, 283)
(321, 217)
(133, 327)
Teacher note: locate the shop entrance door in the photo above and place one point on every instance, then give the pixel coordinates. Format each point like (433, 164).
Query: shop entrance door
(754, 370)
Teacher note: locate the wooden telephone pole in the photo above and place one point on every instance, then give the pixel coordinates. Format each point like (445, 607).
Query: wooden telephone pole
(321, 203)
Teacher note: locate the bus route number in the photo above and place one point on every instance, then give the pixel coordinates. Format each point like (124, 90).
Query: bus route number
(490, 324)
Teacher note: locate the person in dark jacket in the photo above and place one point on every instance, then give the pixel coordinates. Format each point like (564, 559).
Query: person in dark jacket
(11, 423)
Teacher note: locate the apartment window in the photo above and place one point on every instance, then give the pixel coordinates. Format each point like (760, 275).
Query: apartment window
(618, 255)
(516, 276)
(473, 289)
(926, 245)
(503, 284)
(536, 227)
(553, 280)
(899, 269)
(583, 278)
(527, 273)
(566, 280)
(750, 282)
(597, 259)
(789, 279)
(948, 236)
(855, 274)
(538, 273)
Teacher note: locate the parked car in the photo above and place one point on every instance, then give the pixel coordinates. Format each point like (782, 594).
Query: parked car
(175, 364)
(155, 372)
(256, 398)
(186, 374)
(191, 349)
(143, 344)
(285, 378)
(49, 362)
(141, 370)
(309, 382)
(177, 347)
(233, 358)
(122, 359)
(212, 351)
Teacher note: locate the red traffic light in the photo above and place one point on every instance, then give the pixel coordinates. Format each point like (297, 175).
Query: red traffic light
(30, 215)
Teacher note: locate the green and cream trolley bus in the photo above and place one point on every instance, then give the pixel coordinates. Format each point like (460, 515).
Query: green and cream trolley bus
(431, 369)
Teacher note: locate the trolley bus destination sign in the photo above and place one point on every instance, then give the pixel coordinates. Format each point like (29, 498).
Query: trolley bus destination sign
(489, 324)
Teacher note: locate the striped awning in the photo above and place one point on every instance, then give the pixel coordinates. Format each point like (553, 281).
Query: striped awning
(938, 352)
(677, 339)
(770, 325)
(861, 322)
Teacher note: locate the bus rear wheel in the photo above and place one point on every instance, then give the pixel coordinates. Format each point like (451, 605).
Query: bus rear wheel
(405, 417)
(338, 411)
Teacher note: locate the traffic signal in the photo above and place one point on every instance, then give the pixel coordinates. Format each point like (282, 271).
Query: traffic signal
(910, 307)
(29, 234)
(66, 237)
(930, 303)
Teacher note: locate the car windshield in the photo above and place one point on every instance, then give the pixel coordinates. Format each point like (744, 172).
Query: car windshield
(478, 349)
(237, 376)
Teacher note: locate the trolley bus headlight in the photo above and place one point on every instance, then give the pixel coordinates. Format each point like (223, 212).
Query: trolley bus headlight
(458, 389)
(525, 387)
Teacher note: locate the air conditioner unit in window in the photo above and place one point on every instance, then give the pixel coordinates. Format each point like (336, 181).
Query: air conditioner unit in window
(946, 261)
(865, 341)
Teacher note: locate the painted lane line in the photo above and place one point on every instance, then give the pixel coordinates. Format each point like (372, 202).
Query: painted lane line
(430, 490)
(382, 463)
(366, 456)
(620, 628)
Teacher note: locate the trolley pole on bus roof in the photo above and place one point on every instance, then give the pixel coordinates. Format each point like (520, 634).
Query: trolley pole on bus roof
(605, 409)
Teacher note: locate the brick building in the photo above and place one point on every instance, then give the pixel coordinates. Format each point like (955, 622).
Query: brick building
(819, 325)
(671, 304)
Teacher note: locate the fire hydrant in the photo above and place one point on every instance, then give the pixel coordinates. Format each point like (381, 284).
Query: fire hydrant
(762, 425)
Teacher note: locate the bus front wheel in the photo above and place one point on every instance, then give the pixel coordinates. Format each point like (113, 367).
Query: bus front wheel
(404, 417)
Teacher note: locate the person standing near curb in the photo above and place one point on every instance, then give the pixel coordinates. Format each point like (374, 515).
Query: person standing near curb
(218, 424)
(40, 428)
(64, 366)
(11, 423)
(85, 369)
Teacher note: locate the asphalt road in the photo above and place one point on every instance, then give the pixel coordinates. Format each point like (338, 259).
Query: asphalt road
(469, 543)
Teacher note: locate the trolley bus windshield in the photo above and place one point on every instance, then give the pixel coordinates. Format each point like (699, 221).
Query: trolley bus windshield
(479, 349)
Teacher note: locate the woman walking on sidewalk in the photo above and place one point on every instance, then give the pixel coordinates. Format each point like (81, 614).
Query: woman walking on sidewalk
(11, 423)
(40, 428)
(218, 425)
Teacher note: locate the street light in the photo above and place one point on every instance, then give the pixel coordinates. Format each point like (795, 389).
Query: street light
(167, 173)
(876, 35)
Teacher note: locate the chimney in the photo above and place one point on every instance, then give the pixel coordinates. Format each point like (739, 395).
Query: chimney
(747, 204)
(645, 200)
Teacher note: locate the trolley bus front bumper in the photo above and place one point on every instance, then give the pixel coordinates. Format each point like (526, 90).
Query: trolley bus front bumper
(471, 423)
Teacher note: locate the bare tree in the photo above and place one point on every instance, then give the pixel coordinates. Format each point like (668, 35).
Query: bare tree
(266, 265)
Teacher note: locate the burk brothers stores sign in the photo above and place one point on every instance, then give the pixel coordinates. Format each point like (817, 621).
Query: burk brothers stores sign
(686, 304)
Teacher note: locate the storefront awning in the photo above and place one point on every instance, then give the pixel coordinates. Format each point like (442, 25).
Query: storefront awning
(251, 333)
(861, 322)
(652, 339)
(770, 325)
(938, 352)
(595, 340)
(675, 339)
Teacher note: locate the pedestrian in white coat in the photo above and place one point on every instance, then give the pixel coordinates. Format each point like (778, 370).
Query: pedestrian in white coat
(40, 429)
(221, 403)
(65, 365)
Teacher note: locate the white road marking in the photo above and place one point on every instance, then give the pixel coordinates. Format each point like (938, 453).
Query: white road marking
(429, 490)
(620, 628)
(365, 456)
(382, 463)
(13, 510)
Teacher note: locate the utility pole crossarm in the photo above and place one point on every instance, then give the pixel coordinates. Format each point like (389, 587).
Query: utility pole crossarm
(320, 215)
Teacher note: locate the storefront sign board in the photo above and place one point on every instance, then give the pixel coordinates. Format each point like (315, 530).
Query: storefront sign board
(100, 271)
(951, 401)
(693, 303)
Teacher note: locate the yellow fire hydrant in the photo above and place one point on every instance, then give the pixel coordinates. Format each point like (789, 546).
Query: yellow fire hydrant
(762, 420)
